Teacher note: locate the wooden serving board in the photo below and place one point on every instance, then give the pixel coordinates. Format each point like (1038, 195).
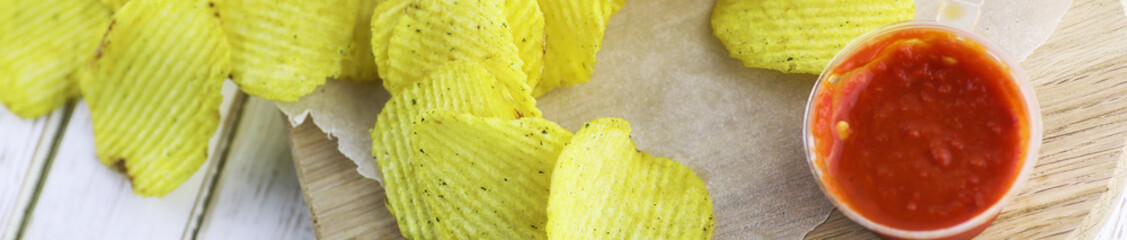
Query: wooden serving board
(1080, 78)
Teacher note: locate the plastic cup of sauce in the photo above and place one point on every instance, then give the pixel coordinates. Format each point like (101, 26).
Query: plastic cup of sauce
(921, 129)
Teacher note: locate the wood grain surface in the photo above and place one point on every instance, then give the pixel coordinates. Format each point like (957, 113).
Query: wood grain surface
(342, 204)
(1080, 76)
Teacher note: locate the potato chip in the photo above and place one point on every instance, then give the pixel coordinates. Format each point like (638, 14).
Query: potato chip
(282, 50)
(43, 43)
(603, 188)
(357, 64)
(115, 4)
(575, 33)
(154, 91)
(459, 86)
(486, 178)
(799, 36)
(385, 18)
(431, 33)
(526, 22)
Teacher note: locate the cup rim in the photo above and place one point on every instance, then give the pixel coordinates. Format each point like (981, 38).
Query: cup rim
(1033, 143)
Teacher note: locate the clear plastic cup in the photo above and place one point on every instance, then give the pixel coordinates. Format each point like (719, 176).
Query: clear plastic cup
(975, 225)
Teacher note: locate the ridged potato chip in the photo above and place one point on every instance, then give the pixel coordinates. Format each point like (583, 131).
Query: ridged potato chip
(384, 19)
(357, 64)
(526, 22)
(459, 86)
(575, 33)
(434, 32)
(154, 91)
(486, 178)
(42, 45)
(282, 50)
(524, 19)
(799, 36)
(604, 188)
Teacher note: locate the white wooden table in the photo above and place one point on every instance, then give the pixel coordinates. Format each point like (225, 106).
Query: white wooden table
(53, 187)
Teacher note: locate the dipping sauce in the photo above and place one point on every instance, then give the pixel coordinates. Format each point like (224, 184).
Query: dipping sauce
(920, 129)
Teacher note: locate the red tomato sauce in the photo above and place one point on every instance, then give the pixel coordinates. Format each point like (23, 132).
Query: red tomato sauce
(920, 130)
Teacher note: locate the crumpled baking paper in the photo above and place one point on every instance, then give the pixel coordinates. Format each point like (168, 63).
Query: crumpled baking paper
(662, 69)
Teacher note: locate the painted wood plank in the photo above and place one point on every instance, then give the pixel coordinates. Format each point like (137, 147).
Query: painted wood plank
(24, 146)
(82, 199)
(257, 195)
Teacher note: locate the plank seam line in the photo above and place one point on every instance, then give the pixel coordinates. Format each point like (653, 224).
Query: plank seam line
(208, 193)
(56, 141)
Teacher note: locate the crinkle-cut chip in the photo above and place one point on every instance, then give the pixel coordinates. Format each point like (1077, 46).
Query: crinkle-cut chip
(524, 18)
(527, 25)
(486, 178)
(384, 19)
(43, 43)
(604, 188)
(459, 86)
(799, 36)
(434, 32)
(357, 64)
(115, 4)
(575, 33)
(154, 91)
(282, 50)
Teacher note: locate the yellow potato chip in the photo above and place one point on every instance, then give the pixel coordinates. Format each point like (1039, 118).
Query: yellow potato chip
(799, 36)
(42, 44)
(154, 91)
(527, 25)
(385, 18)
(282, 50)
(459, 86)
(434, 32)
(486, 178)
(603, 188)
(575, 33)
(115, 4)
(357, 64)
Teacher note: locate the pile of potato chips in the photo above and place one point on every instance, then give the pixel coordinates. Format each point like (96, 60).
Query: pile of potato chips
(461, 143)
(465, 153)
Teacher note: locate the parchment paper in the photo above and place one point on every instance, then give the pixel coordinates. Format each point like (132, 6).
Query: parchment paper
(661, 69)
(346, 111)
